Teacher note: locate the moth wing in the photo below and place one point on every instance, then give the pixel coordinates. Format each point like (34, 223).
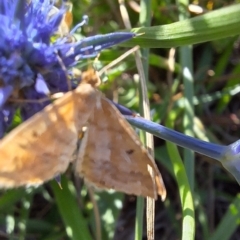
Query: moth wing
(112, 156)
(42, 147)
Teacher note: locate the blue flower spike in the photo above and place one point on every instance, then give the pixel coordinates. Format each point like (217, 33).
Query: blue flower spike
(228, 156)
(230, 159)
(91, 46)
(123, 110)
(31, 63)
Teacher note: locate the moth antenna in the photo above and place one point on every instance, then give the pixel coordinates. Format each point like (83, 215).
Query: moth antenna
(41, 100)
(64, 70)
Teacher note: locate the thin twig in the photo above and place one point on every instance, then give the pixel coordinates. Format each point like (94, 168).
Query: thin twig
(96, 213)
(150, 209)
(116, 61)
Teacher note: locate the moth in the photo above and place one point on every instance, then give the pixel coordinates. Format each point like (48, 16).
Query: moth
(111, 155)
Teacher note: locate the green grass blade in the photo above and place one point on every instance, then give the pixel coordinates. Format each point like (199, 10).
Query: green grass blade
(186, 62)
(217, 24)
(76, 225)
(24, 215)
(229, 223)
(139, 218)
(144, 18)
(10, 197)
(188, 224)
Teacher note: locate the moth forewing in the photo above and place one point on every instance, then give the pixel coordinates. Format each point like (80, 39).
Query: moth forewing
(42, 147)
(111, 155)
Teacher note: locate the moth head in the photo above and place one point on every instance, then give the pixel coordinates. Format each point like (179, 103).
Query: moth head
(91, 77)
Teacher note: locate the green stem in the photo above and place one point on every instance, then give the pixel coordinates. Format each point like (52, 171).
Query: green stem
(188, 224)
(187, 75)
(142, 64)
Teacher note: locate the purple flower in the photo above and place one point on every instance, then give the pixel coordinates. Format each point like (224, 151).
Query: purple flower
(31, 65)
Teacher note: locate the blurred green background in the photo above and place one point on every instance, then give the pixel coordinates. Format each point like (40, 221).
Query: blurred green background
(206, 75)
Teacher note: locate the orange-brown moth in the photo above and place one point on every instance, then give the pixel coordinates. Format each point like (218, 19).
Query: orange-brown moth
(110, 156)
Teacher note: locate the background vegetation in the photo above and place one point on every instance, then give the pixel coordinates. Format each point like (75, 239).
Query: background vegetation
(211, 89)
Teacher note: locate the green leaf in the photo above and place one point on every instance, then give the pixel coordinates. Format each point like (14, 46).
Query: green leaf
(76, 225)
(229, 222)
(217, 24)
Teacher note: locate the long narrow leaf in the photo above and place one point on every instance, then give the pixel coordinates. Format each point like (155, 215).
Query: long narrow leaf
(229, 222)
(188, 224)
(75, 223)
(217, 24)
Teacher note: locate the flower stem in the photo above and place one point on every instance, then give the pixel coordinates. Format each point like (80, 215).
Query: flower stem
(212, 150)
